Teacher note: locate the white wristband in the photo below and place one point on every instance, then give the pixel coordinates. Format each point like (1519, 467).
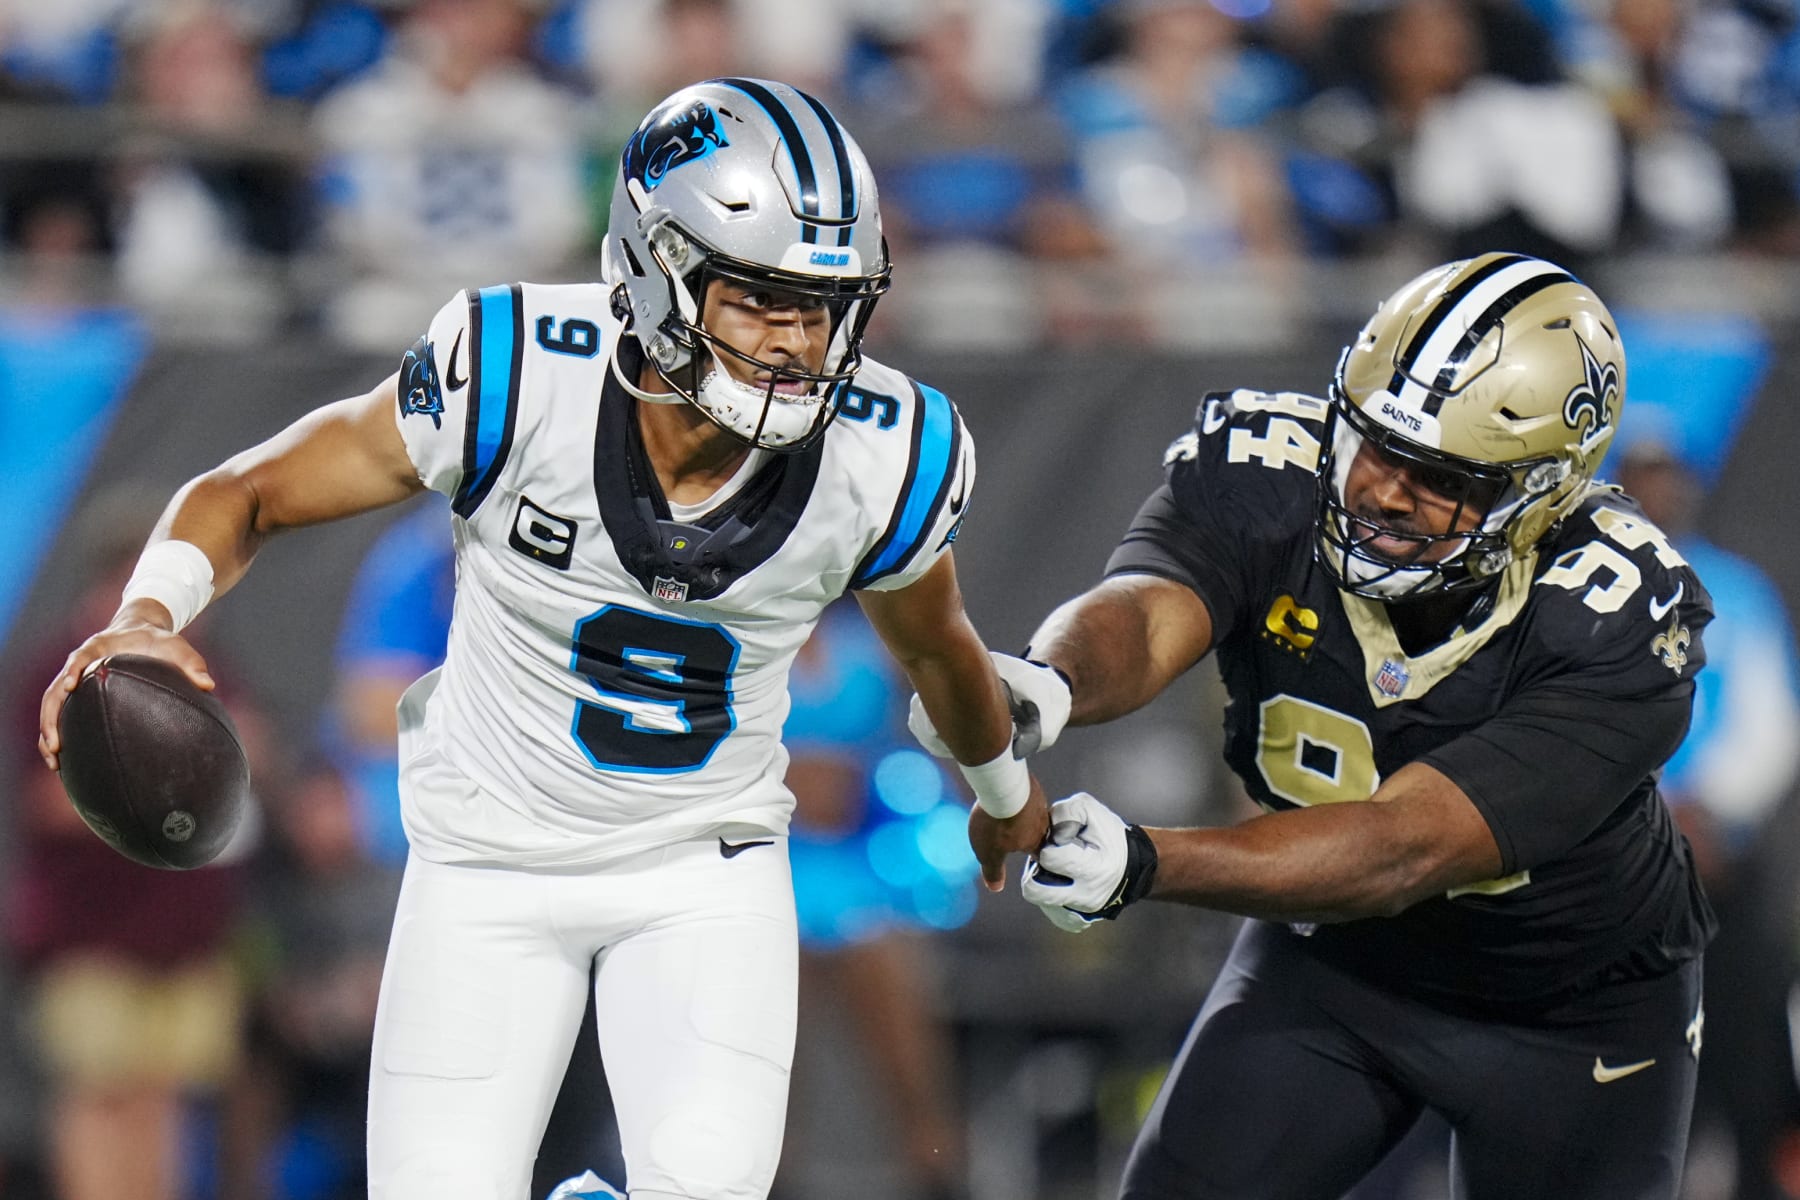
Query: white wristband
(177, 575)
(1002, 784)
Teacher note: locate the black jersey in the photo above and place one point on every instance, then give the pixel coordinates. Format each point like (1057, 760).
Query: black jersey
(1553, 708)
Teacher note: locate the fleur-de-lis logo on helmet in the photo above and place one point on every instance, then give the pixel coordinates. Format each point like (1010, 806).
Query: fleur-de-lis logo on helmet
(1592, 404)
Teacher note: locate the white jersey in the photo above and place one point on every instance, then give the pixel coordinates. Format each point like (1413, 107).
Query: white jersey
(617, 681)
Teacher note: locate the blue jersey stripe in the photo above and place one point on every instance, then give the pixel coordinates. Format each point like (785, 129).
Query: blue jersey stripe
(493, 393)
(927, 481)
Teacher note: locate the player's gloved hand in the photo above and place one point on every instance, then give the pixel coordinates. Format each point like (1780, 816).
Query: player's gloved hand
(1092, 865)
(1037, 694)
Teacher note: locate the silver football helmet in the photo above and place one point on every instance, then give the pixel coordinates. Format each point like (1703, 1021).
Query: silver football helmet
(1500, 381)
(752, 182)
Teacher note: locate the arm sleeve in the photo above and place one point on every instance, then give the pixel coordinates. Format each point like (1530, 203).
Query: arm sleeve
(1608, 703)
(1555, 762)
(1224, 512)
(433, 397)
(1163, 540)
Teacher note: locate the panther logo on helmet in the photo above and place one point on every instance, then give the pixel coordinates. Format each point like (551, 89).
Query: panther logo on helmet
(1590, 405)
(674, 134)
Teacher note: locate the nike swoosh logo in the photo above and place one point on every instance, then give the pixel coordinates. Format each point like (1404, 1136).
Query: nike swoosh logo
(1606, 1074)
(733, 849)
(450, 375)
(1659, 611)
(962, 495)
(1214, 418)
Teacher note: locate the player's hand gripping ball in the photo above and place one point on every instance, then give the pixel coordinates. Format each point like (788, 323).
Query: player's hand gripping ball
(152, 763)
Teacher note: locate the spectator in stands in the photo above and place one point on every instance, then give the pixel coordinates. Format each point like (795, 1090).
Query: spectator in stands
(452, 160)
(973, 183)
(216, 186)
(321, 910)
(1726, 784)
(1184, 183)
(134, 1000)
(1682, 81)
(638, 50)
(1164, 169)
(67, 49)
(1484, 146)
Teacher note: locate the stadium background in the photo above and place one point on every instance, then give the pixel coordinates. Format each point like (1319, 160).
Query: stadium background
(190, 265)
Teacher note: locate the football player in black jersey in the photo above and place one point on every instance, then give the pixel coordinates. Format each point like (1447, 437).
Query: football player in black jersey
(1455, 662)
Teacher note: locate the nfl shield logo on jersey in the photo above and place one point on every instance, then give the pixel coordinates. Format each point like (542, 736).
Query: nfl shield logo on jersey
(672, 590)
(1392, 679)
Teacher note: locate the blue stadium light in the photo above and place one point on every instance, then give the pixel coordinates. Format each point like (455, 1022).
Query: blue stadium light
(894, 855)
(909, 782)
(943, 841)
(944, 907)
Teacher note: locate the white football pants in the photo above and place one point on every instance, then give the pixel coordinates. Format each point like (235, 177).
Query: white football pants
(483, 993)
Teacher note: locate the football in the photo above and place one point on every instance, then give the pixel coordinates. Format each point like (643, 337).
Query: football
(152, 763)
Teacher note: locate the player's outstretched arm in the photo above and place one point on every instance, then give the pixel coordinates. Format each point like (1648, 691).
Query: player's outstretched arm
(340, 460)
(1122, 642)
(1103, 654)
(926, 630)
(1419, 836)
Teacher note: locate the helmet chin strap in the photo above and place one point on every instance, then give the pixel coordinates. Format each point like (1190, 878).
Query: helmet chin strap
(630, 385)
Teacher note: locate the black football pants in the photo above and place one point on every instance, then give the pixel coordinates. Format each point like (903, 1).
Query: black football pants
(1297, 1078)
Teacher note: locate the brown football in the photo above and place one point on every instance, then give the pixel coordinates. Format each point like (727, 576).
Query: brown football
(152, 763)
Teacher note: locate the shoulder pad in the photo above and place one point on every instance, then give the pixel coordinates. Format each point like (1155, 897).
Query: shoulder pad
(1276, 429)
(1613, 583)
(1251, 460)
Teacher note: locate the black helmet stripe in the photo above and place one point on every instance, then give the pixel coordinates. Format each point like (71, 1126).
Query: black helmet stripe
(1425, 367)
(796, 147)
(1496, 312)
(846, 177)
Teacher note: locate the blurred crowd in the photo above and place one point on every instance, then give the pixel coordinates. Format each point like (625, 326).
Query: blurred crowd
(228, 164)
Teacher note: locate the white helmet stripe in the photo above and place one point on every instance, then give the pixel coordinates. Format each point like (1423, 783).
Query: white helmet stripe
(1446, 335)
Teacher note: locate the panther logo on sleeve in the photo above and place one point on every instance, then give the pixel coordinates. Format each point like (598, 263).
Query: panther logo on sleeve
(419, 390)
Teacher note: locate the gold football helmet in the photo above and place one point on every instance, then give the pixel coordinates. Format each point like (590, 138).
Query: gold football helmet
(1500, 380)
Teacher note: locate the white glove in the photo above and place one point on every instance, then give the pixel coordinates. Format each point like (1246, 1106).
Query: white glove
(1092, 865)
(1063, 919)
(1039, 699)
(1080, 865)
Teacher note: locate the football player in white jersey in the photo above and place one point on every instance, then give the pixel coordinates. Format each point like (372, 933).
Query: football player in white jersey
(659, 482)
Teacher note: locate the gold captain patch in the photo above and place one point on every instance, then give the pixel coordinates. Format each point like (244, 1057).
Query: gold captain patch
(1290, 626)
